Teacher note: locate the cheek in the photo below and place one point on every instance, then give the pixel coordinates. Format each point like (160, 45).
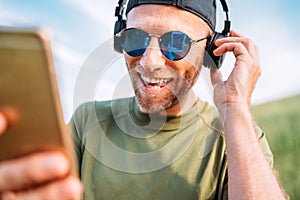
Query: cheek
(131, 62)
(189, 75)
(192, 75)
(187, 71)
(195, 56)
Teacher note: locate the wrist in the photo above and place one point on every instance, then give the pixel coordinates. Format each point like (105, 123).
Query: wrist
(233, 109)
(239, 128)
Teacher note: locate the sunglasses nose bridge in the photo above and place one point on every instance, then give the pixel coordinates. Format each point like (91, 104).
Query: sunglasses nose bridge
(152, 56)
(153, 48)
(154, 41)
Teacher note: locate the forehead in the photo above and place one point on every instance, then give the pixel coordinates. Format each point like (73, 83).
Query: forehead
(167, 18)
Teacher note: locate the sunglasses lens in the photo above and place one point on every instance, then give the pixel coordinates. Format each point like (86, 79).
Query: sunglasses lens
(134, 42)
(175, 45)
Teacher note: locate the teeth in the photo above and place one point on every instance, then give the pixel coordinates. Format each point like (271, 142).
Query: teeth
(154, 87)
(155, 80)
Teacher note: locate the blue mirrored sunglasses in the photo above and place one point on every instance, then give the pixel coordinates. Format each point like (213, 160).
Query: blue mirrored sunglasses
(174, 45)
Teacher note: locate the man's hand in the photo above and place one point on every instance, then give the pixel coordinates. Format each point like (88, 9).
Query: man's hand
(249, 173)
(239, 87)
(37, 176)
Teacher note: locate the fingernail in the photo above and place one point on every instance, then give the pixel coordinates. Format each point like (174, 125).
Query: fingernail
(214, 52)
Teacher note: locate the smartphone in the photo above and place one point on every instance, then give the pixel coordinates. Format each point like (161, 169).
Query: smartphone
(29, 96)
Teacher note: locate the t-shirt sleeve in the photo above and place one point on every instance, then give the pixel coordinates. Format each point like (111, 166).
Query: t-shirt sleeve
(225, 188)
(76, 141)
(264, 145)
(77, 125)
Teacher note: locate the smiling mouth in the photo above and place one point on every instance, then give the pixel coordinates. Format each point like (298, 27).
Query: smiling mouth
(155, 83)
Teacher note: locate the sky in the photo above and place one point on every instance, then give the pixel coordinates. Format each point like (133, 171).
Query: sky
(81, 31)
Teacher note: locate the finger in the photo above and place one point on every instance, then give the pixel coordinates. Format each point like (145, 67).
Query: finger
(233, 33)
(3, 123)
(251, 48)
(68, 188)
(249, 45)
(236, 48)
(32, 170)
(10, 114)
(221, 41)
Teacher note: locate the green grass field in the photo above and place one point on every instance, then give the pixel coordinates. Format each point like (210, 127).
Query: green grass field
(280, 120)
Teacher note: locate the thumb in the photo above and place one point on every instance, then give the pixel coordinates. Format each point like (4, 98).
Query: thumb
(216, 77)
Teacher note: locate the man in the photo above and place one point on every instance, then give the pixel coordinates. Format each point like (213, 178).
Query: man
(162, 86)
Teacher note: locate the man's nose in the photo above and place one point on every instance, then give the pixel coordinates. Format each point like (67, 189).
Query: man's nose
(152, 59)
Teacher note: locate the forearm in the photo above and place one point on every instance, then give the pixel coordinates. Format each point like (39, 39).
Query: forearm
(250, 176)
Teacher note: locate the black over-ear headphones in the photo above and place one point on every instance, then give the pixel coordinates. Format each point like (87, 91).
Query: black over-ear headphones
(210, 60)
(119, 25)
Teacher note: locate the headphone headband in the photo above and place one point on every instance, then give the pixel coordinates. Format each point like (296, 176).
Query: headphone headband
(119, 12)
(206, 16)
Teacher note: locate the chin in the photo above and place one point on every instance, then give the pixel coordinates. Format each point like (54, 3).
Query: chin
(154, 104)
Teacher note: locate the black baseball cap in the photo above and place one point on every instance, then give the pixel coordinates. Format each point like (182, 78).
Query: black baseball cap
(205, 9)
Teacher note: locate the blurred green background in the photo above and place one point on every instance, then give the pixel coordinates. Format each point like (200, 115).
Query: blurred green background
(280, 120)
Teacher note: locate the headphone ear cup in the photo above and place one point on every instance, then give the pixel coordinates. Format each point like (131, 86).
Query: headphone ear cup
(119, 26)
(210, 60)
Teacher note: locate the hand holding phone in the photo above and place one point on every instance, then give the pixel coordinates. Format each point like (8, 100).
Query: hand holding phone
(29, 96)
(26, 177)
(36, 152)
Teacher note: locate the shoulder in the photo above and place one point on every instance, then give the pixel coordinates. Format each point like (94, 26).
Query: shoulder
(211, 118)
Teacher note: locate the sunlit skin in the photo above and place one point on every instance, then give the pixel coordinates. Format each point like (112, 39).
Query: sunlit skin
(174, 96)
(3, 123)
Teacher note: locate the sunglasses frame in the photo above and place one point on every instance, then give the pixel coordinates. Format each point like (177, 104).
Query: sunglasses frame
(150, 35)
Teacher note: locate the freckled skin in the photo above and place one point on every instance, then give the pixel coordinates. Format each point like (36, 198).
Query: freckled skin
(183, 73)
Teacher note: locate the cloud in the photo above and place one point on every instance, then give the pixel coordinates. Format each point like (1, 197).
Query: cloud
(101, 11)
(67, 64)
(9, 18)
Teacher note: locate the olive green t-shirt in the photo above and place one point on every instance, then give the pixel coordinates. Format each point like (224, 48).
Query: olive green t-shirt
(125, 154)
